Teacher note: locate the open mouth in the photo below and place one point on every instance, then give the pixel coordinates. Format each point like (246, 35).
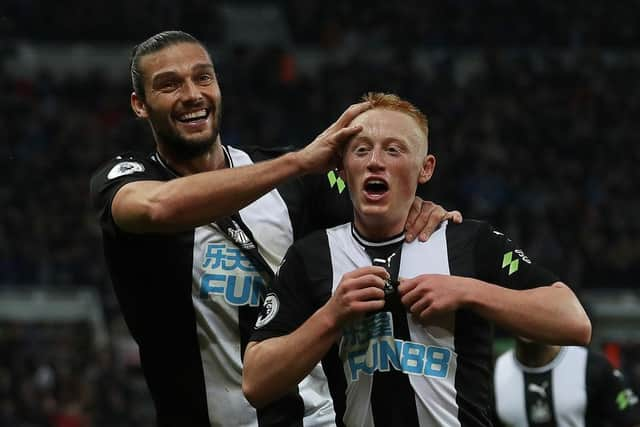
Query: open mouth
(376, 187)
(194, 116)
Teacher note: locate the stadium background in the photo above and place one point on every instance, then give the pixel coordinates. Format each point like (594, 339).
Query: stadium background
(533, 110)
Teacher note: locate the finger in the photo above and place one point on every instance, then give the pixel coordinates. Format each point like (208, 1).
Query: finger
(351, 113)
(366, 270)
(414, 213)
(410, 298)
(368, 306)
(426, 314)
(454, 216)
(406, 285)
(418, 307)
(437, 215)
(369, 293)
(345, 134)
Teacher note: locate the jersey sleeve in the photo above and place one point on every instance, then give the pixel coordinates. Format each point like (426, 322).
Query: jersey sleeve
(610, 396)
(327, 199)
(112, 176)
(288, 302)
(502, 262)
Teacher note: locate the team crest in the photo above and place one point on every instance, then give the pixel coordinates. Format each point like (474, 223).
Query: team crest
(269, 310)
(125, 168)
(239, 236)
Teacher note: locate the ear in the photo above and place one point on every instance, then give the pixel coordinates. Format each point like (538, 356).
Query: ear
(428, 166)
(138, 106)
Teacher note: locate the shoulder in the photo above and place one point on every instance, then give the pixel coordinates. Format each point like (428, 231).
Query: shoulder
(258, 153)
(124, 164)
(122, 169)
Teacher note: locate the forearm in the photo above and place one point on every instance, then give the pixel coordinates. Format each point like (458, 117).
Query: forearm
(550, 314)
(275, 366)
(199, 199)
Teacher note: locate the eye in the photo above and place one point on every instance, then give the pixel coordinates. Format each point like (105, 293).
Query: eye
(360, 150)
(169, 85)
(205, 79)
(394, 150)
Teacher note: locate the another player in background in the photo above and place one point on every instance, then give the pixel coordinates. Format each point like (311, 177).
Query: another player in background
(410, 352)
(193, 231)
(553, 386)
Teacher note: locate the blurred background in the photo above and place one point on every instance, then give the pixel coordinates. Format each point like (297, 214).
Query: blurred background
(533, 110)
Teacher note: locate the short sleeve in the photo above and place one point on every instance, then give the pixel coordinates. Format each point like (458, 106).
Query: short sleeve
(112, 176)
(610, 398)
(502, 262)
(288, 303)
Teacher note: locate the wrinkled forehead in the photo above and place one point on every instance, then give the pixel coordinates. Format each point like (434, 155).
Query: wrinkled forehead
(175, 57)
(384, 123)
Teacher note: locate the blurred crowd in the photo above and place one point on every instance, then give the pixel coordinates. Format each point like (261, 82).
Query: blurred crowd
(533, 125)
(410, 22)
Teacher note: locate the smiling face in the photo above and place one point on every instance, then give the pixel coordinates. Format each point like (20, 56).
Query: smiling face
(182, 99)
(383, 165)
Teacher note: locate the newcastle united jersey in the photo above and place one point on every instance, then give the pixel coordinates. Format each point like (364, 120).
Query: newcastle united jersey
(388, 369)
(190, 299)
(578, 388)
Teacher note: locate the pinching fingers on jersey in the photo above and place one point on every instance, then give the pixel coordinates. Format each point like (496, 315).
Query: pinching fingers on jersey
(430, 295)
(359, 292)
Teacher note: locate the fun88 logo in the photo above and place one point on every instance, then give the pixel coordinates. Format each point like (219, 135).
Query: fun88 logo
(383, 352)
(229, 273)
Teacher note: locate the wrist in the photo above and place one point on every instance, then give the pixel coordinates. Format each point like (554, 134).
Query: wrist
(330, 323)
(472, 292)
(295, 160)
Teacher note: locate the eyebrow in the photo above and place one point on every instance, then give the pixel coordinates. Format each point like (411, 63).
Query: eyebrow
(171, 73)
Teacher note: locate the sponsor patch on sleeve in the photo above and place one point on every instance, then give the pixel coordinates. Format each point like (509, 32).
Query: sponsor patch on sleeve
(125, 168)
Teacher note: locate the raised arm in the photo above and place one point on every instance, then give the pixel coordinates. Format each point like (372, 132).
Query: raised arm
(190, 201)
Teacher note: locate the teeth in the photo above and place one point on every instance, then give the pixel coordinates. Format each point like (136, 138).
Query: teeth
(200, 114)
(375, 181)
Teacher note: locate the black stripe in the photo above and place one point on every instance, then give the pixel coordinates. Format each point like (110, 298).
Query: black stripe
(539, 399)
(473, 336)
(393, 400)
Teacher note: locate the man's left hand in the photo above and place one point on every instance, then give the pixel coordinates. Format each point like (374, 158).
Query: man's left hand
(425, 217)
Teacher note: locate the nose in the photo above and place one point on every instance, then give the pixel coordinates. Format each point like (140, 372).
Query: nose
(375, 160)
(191, 91)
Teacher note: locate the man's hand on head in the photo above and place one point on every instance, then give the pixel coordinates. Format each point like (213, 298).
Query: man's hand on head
(322, 154)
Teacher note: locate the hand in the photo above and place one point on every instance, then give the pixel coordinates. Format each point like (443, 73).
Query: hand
(429, 296)
(359, 292)
(322, 154)
(425, 217)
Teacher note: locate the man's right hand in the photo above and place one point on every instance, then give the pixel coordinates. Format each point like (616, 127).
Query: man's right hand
(322, 154)
(359, 292)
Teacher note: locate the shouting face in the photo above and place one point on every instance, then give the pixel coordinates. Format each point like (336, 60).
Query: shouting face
(383, 165)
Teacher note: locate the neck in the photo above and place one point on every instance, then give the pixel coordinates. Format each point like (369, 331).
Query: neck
(212, 159)
(534, 354)
(377, 232)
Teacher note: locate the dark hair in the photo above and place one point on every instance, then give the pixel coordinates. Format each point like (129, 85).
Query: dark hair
(154, 44)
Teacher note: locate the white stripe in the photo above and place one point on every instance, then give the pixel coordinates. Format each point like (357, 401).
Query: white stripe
(509, 391)
(569, 387)
(435, 397)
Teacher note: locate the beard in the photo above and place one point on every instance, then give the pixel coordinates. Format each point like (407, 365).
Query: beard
(183, 148)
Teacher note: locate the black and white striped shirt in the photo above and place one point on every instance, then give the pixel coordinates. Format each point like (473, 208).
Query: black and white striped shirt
(578, 388)
(190, 299)
(388, 369)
